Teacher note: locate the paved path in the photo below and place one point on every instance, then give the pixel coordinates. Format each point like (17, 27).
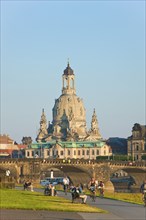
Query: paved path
(117, 211)
(38, 215)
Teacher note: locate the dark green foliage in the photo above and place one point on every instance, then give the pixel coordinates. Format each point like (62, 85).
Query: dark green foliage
(143, 157)
(118, 145)
(115, 157)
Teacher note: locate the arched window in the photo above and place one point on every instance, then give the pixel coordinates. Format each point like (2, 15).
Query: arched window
(61, 152)
(92, 152)
(78, 152)
(137, 147)
(74, 152)
(68, 152)
(97, 152)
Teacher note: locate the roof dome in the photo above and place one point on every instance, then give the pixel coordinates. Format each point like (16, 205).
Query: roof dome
(72, 106)
(68, 70)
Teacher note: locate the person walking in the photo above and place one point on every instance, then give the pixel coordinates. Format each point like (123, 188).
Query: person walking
(65, 184)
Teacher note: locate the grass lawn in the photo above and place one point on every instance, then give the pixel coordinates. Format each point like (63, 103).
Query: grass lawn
(16, 199)
(127, 197)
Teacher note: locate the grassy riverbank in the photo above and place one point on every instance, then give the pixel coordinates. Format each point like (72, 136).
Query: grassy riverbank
(17, 199)
(127, 197)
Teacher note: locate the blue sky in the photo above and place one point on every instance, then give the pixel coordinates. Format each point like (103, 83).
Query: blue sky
(105, 43)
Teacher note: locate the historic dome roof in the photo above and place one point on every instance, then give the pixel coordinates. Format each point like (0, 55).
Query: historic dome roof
(71, 104)
(69, 115)
(68, 70)
(68, 111)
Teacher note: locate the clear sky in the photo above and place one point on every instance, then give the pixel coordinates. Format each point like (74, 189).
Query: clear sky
(105, 43)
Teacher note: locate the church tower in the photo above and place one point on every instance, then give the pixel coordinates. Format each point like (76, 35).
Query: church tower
(68, 79)
(70, 105)
(69, 116)
(94, 132)
(43, 133)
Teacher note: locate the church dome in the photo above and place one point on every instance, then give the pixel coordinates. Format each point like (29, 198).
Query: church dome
(68, 70)
(70, 106)
(69, 116)
(74, 110)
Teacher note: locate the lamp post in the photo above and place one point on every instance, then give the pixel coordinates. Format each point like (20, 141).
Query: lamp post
(52, 174)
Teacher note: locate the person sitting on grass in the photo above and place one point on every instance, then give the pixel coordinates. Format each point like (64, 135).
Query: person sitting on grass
(47, 191)
(77, 192)
(50, 190)
(27, 183)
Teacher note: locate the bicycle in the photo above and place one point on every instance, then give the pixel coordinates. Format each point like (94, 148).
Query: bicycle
(92, 193)
(101, 192)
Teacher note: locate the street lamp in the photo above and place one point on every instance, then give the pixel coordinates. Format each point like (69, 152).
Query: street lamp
(52, 174)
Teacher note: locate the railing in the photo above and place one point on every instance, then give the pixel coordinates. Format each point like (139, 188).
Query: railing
(74, 162)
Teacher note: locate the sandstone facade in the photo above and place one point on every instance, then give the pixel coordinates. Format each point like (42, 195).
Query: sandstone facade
(69, 116)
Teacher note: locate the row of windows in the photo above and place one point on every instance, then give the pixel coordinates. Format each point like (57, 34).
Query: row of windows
(79, 152)
(32, 153)
(68, 152)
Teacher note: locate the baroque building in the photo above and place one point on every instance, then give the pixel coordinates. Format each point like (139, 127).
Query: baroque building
(137, 142)
(88, 150)
(69, 116)
(67, 137)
